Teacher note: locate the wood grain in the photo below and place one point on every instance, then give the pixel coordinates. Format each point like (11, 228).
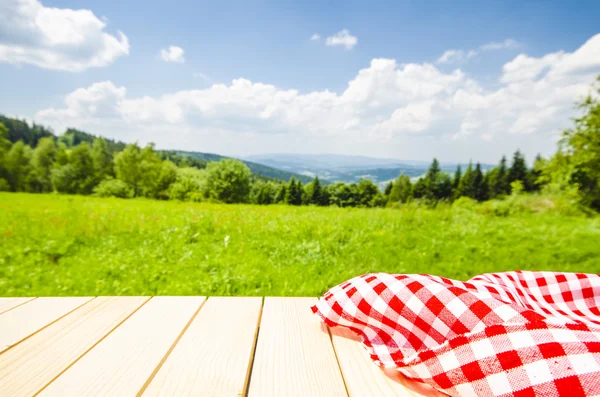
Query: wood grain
(20, 322)
(121, 363)
(28, 367)
(294, 355)
(7, 304)
(213, 356)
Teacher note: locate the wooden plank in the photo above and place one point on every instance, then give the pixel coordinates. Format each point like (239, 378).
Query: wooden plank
(363, 378)
(22, 321)
(122, 363)
(28, 367)
(213, 356)
(7, 304)
(294, 355)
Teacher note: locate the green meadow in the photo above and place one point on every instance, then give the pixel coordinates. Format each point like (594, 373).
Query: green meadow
(53, 245)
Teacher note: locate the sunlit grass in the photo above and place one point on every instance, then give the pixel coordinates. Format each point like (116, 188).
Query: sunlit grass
(70, 245)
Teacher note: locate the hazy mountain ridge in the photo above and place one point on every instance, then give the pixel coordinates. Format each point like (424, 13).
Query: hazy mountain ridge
(345, 168)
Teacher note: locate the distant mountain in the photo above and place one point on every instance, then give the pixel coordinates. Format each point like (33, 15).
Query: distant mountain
(335, 167)
(256, 168)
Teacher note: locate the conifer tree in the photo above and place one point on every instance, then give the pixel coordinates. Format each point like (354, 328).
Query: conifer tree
(281, 194)
(466, 185)
(518, 170)
(456, 180)
(479, 184)
(315, 197)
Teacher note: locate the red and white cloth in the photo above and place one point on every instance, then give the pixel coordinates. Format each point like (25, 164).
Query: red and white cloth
(503, 334)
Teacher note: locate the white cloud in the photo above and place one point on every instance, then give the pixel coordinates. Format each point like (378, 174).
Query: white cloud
(402, 111)
(453, 56)
(172, 54)
(458, 56)
(342, 38)
(502, 45)
(315, 37)
(56, 38)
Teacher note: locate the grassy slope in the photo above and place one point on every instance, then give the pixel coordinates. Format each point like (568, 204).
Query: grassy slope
(68, 245)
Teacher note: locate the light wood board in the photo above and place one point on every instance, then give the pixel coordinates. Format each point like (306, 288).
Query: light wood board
(7, 304)
(22, 321)
(34, 363)
(121, 363)
(212, 358)
(294, 355)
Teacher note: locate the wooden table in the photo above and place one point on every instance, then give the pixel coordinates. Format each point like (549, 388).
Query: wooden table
(180, 346)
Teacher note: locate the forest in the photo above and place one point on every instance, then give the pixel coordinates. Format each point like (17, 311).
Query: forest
(34, 160)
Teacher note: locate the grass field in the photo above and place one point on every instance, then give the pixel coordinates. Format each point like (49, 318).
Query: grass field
(71, 245)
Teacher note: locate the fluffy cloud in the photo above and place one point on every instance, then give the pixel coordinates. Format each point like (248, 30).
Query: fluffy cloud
(387, 109)
(56, 38)
(342, 38)
(315, 37)
(172, 54)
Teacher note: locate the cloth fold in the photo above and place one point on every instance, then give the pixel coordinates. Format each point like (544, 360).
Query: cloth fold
(500, 334)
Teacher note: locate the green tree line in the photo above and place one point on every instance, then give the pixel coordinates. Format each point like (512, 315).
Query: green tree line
(78, 163)
(33, 160)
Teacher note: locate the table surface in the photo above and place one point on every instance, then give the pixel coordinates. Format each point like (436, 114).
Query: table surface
(181, 346)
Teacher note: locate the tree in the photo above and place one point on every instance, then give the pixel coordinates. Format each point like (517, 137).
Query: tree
(18, 167)
(19, 130)
(127, 167)
(150, 170)
(367, 191)
(431, 182)
(64, 179)
(518, 170)
(480, 185)
(401, 190)
(420, 190)
(294, 192)
(81, 159)
(62, 155)
(4, 148)
(316, 193)
(388, 189)
(44, 156)
(343, 195)
(281, 194)
(535, 175)
(166, 177)
(262, 193)
(466, 187)
(228, 181)
(189, 184)
(456, 180)
(444, 188)
(102, 159)
(579, 152)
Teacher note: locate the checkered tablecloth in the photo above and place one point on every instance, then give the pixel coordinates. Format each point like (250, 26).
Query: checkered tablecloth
(502, 334)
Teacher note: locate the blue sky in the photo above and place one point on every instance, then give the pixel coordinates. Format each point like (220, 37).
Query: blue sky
(456, 109)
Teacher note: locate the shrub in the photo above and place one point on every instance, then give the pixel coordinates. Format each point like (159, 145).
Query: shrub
(464, 202)
(113, 188)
